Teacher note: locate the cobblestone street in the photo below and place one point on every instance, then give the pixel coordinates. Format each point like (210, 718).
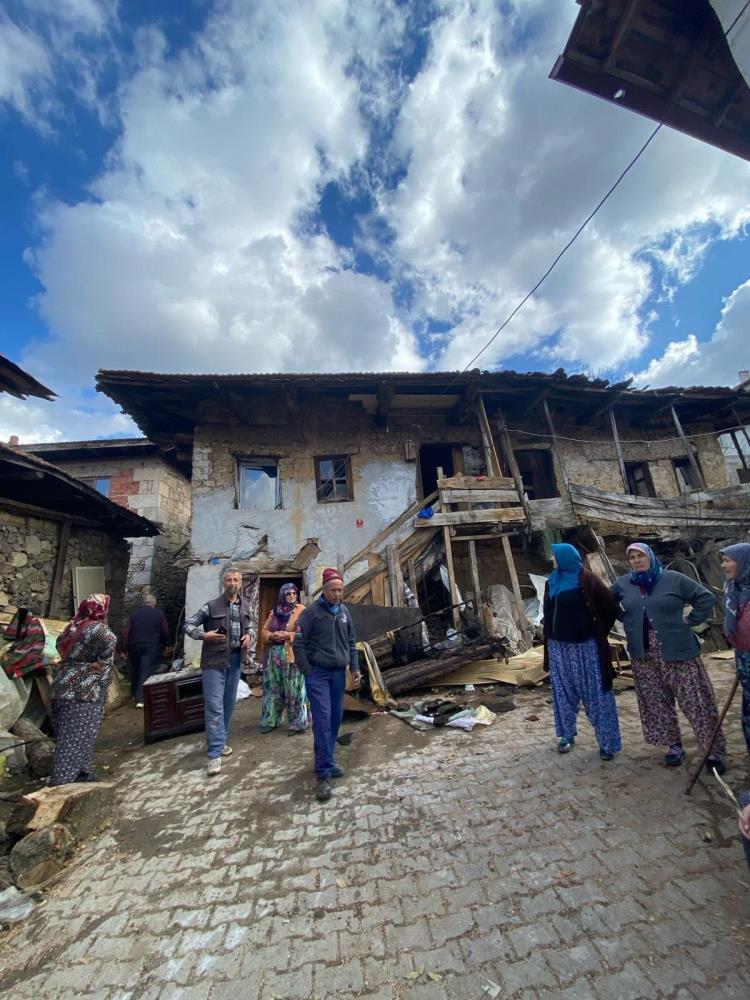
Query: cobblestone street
(446, 862)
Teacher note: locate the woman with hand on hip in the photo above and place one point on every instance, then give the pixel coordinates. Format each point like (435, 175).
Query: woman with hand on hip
(735, 560)
(665, 655)
(283, 681)
(579, 611)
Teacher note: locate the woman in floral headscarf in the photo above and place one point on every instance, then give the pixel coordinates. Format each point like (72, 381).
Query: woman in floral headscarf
(78, 693)
(735, 560)
(665, 655)
(283, 681)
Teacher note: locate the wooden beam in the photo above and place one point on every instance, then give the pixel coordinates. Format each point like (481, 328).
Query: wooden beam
(386, 393)
(395, 576)
(688, 449)
(510, 458)
(62, 552)
(14, 472)
(390, 528)
(516, 588)
(618, 449)
(607, 404)
(492, 515)
(412, 570)
(535, 401)
(451, 579)
(31, 510)
(291, 397)
(475, 578)
(556, 445)
(479, 496)
(466, 405)
(474, 484)
(623, 27)
(741, 424)
(490, 455)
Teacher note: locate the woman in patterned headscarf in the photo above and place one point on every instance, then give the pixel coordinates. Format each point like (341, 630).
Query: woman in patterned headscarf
(283, 681)
(665, 655)
(78, 693)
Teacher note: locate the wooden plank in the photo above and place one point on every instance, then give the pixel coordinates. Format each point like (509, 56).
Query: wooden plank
(390, 528)
(738, 449)
(62, 552)
(451, 579)
(395, 577)
(475, 577)
(490, 455)
(688, 448)
(508, 552)
(378, 582)
(413, 578)
(618, 449)
(495, 515)
(556, 444)
(474, 483)
(510, 458)
(479, 496)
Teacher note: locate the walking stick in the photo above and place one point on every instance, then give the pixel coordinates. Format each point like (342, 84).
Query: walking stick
(724, 711)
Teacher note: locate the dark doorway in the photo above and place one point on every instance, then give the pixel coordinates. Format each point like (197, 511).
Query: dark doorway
(640, 483)
(431, 458)
(535, 466)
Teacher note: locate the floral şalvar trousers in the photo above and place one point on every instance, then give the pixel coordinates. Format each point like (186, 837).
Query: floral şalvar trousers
(283, 688)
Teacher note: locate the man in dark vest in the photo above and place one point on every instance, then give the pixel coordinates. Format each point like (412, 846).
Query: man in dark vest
(222, 625)
(144, 637)
(324, 647)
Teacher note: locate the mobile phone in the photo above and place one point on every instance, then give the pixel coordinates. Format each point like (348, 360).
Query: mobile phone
(222, 630)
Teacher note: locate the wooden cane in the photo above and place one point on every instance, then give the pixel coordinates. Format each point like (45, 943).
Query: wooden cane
(724, 711)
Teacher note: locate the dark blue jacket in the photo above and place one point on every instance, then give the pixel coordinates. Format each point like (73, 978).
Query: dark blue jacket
(664, 607)
(325, 639)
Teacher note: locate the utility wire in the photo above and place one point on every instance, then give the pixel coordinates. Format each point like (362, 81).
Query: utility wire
(578, 231)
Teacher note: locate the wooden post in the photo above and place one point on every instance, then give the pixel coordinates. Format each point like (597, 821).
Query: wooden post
(556, 444)
(62, 552)
(741, 425)
(490, 455)
(451, 578)
(516, 589)
(688, 449)
(395, 576)
(412, 568)
(475, 578)
(515, 472)
(618, 449)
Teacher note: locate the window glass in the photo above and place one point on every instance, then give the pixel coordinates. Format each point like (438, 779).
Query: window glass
(259, 485)
(333, 478)
(100, 484)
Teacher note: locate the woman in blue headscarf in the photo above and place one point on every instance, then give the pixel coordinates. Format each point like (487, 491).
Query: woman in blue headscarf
(735, 560)
(665, 655)
(579, 611)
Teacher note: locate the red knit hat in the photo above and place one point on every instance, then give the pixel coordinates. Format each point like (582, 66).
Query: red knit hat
(331, 574)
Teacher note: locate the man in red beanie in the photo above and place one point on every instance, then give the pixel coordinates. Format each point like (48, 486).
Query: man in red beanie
(323, 648)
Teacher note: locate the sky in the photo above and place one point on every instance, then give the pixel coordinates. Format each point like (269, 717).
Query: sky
(342, 185)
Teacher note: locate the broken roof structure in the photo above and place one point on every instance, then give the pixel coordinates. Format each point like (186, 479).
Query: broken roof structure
(31, 485)
(18, 383)
(666, 59)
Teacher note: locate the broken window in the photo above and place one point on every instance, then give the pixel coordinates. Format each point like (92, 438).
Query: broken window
(333, 478)
(640, 483)
(100, 484)
(687, 478)
(259, 485)
(535, 466)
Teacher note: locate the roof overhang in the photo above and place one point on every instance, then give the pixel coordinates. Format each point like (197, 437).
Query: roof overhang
(665, 59)
(28, 483)
(18, 383)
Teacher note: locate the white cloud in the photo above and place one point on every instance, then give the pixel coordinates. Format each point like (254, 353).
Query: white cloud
(199, 249)
(717, 362)
(25, 69)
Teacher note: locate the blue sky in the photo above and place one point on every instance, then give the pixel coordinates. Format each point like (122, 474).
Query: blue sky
(333, 185)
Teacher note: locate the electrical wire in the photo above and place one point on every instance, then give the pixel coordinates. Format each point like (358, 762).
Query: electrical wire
(667, 440)
(577, 233)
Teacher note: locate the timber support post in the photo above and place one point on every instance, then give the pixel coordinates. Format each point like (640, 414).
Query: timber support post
(688, 449)
(618, 449)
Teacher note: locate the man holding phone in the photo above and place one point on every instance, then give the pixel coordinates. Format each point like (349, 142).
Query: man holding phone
(223, 626)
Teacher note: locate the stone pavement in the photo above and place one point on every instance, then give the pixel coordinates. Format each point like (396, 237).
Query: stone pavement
(446, 861)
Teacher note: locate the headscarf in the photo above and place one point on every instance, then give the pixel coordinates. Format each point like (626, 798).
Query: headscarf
(737, 591)
(91, 611)
(284, 608)
(568, 571)
(646, 578)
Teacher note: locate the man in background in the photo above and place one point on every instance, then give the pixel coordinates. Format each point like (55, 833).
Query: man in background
(145, 636)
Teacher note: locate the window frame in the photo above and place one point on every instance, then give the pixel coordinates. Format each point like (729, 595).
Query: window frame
(92, 481)
(647, 479)
(260, 462)
(684, 463)
(320, 480)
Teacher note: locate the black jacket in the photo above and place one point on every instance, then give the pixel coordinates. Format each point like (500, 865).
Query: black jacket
(325, 639)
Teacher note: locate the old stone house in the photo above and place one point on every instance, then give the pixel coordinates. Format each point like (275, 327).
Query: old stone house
(59, 538)
(134, 474)
(291, 473)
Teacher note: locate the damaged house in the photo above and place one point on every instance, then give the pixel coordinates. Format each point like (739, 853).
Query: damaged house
(291, 473)
(135, 474)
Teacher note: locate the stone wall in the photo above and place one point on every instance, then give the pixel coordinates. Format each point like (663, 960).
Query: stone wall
(152, 488)
(28, 554)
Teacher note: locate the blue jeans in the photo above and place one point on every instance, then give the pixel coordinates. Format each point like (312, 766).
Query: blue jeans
(219, 699)
(325, 689)
(143, 658)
